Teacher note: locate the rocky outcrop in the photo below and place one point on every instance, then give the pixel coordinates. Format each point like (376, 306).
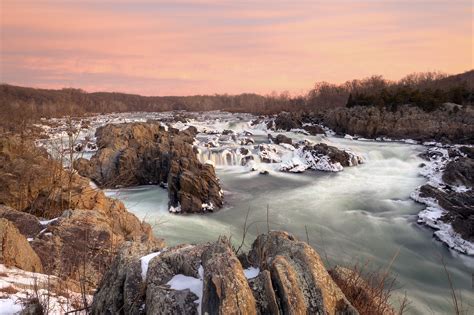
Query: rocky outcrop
(300, 282)
(146, 153)
(85, 226)
(82, 243)
(295, 121)
(15, 251)
(280, 139)
(282, 276)
(405, 123)
(449, 196)
(320, 157)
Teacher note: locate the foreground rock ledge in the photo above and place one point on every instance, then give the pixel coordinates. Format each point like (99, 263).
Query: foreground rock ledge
(280, 275)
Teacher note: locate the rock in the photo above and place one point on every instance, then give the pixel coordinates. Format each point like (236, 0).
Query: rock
(140, 153)
(287, 121)
(335, 155)
(246, 159)
(314, 129)
(299, 278)
(291, 280)
(407, 122)
(460, 172)
(27, 224)
(15, 251)
(460, 208)
(280, 139)
(268, 153)
(84, 243)
(227, 132)
(122, 289)
(225, 289)
(246, 141)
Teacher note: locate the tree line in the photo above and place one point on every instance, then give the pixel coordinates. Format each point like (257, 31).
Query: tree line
(426, 90)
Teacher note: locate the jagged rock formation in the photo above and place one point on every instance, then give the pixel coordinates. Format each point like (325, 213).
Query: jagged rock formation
(405, 123)
(15, 251)
(145, 153)
(290, 279)
(288, 121)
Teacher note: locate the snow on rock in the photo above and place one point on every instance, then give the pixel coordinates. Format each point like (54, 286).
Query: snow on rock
(251, 272)
(145, 260)
(195, 285)
(47, 222)
(176, 209)
(433, 213)
(207, 206)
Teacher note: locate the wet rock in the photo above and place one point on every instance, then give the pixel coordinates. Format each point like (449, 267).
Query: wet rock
(15, 251)
(246, 159)
(280, 139)
(268, 154)
(314, 129)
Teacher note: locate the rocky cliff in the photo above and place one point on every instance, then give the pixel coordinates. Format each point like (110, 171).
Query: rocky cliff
(442, 125)
(280, 275)
(147, 153)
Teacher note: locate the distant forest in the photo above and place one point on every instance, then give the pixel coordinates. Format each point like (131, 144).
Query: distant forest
(427, 91)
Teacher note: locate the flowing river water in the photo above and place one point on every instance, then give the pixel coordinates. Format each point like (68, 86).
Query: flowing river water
(361, 215)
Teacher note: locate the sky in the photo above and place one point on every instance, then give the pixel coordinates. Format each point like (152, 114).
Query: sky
(186, 47)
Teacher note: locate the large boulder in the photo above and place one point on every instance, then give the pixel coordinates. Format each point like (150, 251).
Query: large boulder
(284, 276)
(15, 251)
(147, 153)
(27, 224)
(299, 279)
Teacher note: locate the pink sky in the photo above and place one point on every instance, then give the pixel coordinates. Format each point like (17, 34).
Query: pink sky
(206, 47)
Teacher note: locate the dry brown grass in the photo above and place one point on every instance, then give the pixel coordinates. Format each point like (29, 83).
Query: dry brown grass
(9, 290)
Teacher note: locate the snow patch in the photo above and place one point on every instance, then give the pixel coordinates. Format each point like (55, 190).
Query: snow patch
(195, 285)
(145, 261)
(251, 272)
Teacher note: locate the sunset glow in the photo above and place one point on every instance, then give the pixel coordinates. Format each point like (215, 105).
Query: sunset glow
(205, 47)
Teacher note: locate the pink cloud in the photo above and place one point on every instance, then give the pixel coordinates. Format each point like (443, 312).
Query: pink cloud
(195, 47)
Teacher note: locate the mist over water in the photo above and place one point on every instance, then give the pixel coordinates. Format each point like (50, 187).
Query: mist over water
(362, 214)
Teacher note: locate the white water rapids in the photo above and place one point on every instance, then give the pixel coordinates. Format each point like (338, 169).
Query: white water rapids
(362, 214)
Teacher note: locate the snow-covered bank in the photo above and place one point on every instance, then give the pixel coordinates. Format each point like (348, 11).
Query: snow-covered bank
(17, 287)
(433, 215)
